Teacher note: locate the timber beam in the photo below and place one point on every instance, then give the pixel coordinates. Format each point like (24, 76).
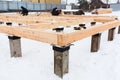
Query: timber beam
(50, 19)
(68, 38)
(33, 34)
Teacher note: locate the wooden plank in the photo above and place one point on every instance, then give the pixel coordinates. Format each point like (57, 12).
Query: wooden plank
(33, 18)
(33, 34)
(68, 38)
(103, 20)
(60, 23)
(56, 23)
(90, 16)
(102, 11)
(48, 22)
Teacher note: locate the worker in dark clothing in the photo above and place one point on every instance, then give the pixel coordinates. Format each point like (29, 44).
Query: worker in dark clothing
(55, 11)
(24, 11)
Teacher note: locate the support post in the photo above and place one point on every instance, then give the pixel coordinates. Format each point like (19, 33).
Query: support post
(119, 30)
(15, 46)
(61, 60)
(95, 42)
(111, 34)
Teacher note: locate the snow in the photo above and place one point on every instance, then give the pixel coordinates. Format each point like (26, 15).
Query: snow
(37, 61)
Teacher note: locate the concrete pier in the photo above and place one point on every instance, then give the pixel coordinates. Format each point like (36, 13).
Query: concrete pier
(61, 60)
(15, 46)
(111, 33)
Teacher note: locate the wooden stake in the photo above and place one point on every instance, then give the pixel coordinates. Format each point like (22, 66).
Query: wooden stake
(61, 60)
(111, 34)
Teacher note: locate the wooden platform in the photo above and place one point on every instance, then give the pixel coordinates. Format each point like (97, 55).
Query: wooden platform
(40, 27)
(60, 31)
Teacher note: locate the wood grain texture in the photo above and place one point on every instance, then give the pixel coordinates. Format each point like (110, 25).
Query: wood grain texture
(104, 11)
(40, 27)
(34, 34)
(68, 38)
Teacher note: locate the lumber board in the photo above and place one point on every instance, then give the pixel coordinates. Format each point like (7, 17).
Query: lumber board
(33, 34)
(63, 22)
(102, 11)
(103, 20)
(55, 17)
(89, 16)
(68, 38)
(59, 21)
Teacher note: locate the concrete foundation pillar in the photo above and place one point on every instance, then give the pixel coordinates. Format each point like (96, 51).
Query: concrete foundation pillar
(15, 46)
(61, 60)
(119, 30)
(95, 42)
(111, 34)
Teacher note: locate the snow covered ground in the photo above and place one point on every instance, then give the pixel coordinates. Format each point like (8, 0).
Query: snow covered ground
(37, 62)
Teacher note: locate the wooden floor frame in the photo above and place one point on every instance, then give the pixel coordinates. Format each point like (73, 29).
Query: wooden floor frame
(40, 27)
